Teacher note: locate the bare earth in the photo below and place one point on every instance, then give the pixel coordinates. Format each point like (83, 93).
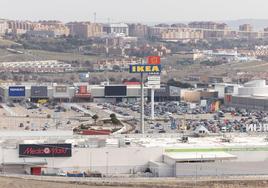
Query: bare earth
(7, 182)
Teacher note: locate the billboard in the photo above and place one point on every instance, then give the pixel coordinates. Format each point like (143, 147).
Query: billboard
(153, 60)
(145, 69)
(81, 91)
(16, 91)
(61, 89)
(39, 91)
(115, 91)
(45, 150)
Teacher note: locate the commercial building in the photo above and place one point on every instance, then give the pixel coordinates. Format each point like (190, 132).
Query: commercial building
(85, 29)
(253, 95)
(164, 157)
(188, 56)
(116, 28)
(196, 95)
(165, 93)
(31, 91)
(116, 93)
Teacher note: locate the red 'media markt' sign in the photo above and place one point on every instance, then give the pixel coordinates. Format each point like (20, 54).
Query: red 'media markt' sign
(45, 150)
(153, 60)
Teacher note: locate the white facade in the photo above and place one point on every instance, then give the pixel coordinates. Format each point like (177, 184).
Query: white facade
(254, 88)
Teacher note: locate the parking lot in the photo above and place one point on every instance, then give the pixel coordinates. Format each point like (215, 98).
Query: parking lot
(37, 117)
(172, 117)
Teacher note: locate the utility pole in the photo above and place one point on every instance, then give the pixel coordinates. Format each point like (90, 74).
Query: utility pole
(142, 104)
(152, 103)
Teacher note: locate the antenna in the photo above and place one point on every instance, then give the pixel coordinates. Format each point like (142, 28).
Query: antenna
(95, 17)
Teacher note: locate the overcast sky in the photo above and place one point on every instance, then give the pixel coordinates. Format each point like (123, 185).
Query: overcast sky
(133, 10)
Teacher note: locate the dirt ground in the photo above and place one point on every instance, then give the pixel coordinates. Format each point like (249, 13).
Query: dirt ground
(6, 182)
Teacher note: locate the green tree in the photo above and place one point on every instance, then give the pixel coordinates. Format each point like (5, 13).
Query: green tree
(112, 116)
(95, 118)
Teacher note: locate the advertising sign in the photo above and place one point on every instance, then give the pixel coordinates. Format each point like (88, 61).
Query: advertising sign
(45, 150)
(81, 91)
(145, 68)
(153, 60)
(154, 82)
(61, 89)
(39, 91)
(115, 91)
(16, 91)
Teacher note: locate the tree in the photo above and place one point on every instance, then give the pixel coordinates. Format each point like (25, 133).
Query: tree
(95, 118)
(112, 116)
(114, 120)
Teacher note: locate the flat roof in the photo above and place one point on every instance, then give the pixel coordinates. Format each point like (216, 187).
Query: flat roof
(197, 156)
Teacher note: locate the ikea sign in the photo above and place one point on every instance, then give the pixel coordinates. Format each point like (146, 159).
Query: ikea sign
(16, 91)
(145, 68)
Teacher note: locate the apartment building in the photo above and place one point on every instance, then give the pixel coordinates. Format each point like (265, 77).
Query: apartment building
(3, 27)
(85, 29)
(138, 30)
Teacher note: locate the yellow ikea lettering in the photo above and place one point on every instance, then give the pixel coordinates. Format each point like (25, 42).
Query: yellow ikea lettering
(140, 69)
(155, 69)
(133, 68)
(148, 69)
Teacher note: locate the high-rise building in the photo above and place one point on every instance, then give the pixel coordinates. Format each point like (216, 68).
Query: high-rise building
(138, 30)
(85, 29)
(246, 28)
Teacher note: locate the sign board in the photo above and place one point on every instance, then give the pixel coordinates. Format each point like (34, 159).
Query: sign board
(39, 91)
(145, 68)
(154, 86)
(154, 82)
(45, 150)
(61, 89)
(203, 103)
(115, 91)
(16, 91)
(154, 78)
(153, 60)
(81, 91)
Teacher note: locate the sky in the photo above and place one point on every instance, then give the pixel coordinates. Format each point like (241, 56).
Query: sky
(133, 10)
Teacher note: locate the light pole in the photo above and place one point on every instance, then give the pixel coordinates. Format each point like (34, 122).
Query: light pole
(107, 163)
